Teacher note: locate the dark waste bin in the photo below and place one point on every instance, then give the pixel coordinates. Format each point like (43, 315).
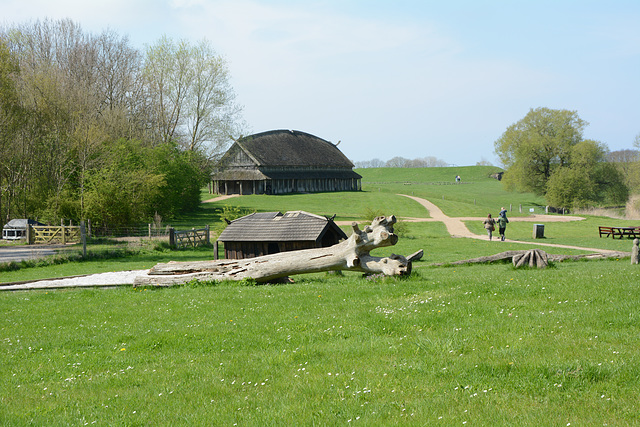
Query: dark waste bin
(538, 231)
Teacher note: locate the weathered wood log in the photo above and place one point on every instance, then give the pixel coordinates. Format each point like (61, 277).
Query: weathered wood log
(532, 258)
(635, 252)
(351, 254)
(550, 257)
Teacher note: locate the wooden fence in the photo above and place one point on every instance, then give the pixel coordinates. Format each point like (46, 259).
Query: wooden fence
(194, 237)
(50, 234)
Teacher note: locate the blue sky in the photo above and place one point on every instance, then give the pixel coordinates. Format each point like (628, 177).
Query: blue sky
(402, 78)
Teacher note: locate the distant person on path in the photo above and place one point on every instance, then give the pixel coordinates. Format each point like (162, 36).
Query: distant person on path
(502, 224)
(458, 179)
(489, 225)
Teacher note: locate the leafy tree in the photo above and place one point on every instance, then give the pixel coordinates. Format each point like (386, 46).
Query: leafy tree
(544, 153)
(588, 179)
(184, 176)
(534, 146)
(10, 114)
(125, 189)
(194, 104)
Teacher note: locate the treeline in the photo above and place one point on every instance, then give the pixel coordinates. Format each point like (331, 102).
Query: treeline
(401, 162)
(92, 128)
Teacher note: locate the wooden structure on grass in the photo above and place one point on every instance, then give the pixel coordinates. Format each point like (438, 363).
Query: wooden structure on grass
(352, 254)
(17, 228)
(619, 232)
(264, 233)
(281, 162)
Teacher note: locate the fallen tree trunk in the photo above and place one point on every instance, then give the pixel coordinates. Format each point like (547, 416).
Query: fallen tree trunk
(518, 255)
(351, 254)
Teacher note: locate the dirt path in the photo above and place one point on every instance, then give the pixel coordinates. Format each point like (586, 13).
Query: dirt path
(220, 198)
(457, 228)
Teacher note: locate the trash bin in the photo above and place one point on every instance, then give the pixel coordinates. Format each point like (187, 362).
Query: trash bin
(538, 231)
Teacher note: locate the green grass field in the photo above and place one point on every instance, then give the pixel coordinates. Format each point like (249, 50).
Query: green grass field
(477, 345)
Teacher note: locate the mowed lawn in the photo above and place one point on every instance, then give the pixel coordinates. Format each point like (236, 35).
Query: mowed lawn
(474, 345)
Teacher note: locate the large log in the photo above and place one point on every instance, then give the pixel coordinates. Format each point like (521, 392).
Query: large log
(352, 254)
(538, 259)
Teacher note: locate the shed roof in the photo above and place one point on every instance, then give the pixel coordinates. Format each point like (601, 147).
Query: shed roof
(20, 224)
(278, 227)
(292, 148)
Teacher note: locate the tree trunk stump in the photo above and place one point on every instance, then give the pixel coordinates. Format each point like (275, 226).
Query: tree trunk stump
(532, 258)
(635, 252)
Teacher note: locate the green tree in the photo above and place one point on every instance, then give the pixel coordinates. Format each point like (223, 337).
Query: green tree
(545, 153)
(587, 179)
(10, 114)
(193, 102)
(183, 178)
(537, 144)
(125, 189)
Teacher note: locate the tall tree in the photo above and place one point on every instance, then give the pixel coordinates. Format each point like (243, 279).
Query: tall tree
(194, 104)
(10, 116)
(544, 153)
(531, 148)
(587, 179)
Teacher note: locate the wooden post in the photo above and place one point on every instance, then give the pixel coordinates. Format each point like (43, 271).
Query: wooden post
(215, 250)
(30, 235)
(83, 237)
(149, 231)
(89, 227)
(172, 237)
(63, 231)
(207, 240)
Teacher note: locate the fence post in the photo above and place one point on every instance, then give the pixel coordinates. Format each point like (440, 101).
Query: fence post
(207, 239)
(30, 233)
(83, 237)
(149, 231)
(63, 231)
(520, 207)
(172, 237)
(215, 250)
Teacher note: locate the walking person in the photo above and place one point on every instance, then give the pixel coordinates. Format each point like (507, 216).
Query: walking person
(502, 224)
(489, 225)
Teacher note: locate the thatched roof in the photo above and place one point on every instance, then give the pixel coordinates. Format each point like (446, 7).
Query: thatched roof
(277, 227)
(292, 148)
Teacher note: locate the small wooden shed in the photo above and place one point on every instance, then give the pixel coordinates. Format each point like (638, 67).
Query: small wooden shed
(264, 233)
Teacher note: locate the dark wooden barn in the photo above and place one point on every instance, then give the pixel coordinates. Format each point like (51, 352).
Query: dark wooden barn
(266, 233)
(281, 162)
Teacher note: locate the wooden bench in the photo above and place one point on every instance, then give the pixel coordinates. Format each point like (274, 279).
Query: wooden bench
(620, 232)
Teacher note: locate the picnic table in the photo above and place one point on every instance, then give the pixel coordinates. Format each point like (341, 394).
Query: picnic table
(620, 232)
